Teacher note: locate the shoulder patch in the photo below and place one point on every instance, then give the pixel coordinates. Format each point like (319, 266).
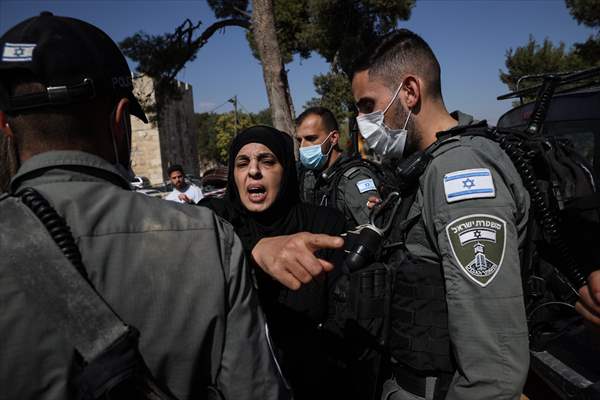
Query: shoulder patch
(466, 184)
(366, 185)
(17, 52)
(478, 242)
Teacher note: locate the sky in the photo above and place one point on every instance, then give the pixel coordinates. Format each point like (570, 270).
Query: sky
(469, 37)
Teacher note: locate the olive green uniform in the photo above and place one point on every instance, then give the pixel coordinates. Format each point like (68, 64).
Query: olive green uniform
(175, 272)
(486, 315)
(354, 188)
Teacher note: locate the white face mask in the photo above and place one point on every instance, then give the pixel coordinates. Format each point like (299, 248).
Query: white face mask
(386, 142)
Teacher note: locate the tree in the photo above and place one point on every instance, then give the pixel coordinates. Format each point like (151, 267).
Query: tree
(339, 31)
(535, 58)
(335, 29)
(225, 130)
(211, 125)
(334, 93)
(207, 137)
(163, 56)
(586, 12)
(265, 38)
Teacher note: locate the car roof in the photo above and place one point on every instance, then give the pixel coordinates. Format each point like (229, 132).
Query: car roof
(580, 105)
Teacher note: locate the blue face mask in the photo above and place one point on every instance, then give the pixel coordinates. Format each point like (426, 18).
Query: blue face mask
(312, 157)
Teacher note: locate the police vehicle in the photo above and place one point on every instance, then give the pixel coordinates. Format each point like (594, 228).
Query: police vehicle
(565, 356)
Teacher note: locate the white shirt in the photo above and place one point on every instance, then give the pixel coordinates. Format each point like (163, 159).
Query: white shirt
(193, 192)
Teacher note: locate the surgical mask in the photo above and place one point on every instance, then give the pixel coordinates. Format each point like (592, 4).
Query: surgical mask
(125, 171)
(312, 157)
(386, 142)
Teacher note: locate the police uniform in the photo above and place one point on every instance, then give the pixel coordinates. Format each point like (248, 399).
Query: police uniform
(461, 329)
(176, 273)
(354, 187)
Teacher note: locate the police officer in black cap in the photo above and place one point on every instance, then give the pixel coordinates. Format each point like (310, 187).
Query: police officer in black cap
(66, 95)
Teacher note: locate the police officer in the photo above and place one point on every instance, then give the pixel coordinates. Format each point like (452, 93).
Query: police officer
(176, 273)
(458, 326)
(327, 176)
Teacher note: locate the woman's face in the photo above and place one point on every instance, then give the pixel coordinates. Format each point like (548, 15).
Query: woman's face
(258, 175)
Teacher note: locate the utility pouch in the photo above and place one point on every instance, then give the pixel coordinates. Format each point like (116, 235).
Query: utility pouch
(370, 292)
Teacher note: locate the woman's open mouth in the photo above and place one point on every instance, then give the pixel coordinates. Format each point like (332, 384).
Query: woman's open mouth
(256, 193)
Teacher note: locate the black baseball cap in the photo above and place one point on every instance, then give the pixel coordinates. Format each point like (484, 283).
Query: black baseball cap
(74, 60)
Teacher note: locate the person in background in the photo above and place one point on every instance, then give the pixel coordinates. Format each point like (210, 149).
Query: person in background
(328, 177)
(183, 191)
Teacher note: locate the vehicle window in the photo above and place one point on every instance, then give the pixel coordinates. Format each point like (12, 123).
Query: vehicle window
(583, 135)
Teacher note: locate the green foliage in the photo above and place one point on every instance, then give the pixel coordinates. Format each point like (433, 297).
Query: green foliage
(228, 8)
(225, 129)
(535, 58)
(335, 93)
(207, 137)
(262, 117)
(216, 130)
(338, 30)
(589, 50)
(586, 12)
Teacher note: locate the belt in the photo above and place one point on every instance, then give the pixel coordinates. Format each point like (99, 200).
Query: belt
(410, 381)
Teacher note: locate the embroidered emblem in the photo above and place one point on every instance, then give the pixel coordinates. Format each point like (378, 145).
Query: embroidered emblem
(17, 52)
(478, 243)
(469, 184)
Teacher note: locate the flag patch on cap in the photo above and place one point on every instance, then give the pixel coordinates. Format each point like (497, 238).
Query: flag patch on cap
(17, 52)
(474, 183)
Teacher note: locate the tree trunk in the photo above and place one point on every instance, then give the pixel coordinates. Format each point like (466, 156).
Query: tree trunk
(263, 28)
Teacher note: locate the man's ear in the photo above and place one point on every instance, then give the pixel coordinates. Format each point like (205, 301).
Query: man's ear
(335, 137)
(4, 127)
(119, 117)
(412, 91)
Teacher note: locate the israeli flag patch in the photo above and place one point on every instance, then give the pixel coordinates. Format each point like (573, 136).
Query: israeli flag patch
(474, 183)
(17, 52)
(365, 185)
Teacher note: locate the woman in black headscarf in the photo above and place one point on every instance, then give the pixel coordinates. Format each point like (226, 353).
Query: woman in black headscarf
(262, 200)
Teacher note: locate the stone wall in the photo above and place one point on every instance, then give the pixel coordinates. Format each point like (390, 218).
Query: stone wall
(171, 140)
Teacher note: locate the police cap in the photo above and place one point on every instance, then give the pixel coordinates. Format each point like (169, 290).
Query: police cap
(74, 60)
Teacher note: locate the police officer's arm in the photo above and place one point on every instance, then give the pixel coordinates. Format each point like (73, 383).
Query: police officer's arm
(486, 315)
(589, 303)
(248, 369)
(355, 192)
(291, 260)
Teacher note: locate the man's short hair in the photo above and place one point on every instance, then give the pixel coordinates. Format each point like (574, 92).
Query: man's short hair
(399, 53)
(173, 168)
(327, 117)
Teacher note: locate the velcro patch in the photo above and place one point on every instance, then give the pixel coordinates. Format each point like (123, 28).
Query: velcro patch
(17, 52)
(478, 242)
(366, 185)
(474, 183)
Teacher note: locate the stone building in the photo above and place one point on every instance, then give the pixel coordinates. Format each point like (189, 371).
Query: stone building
(172, 139)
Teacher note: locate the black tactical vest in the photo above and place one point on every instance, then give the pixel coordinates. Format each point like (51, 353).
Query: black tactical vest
(418, 332)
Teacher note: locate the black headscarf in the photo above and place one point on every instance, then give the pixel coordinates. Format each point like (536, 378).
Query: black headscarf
(287, 215)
